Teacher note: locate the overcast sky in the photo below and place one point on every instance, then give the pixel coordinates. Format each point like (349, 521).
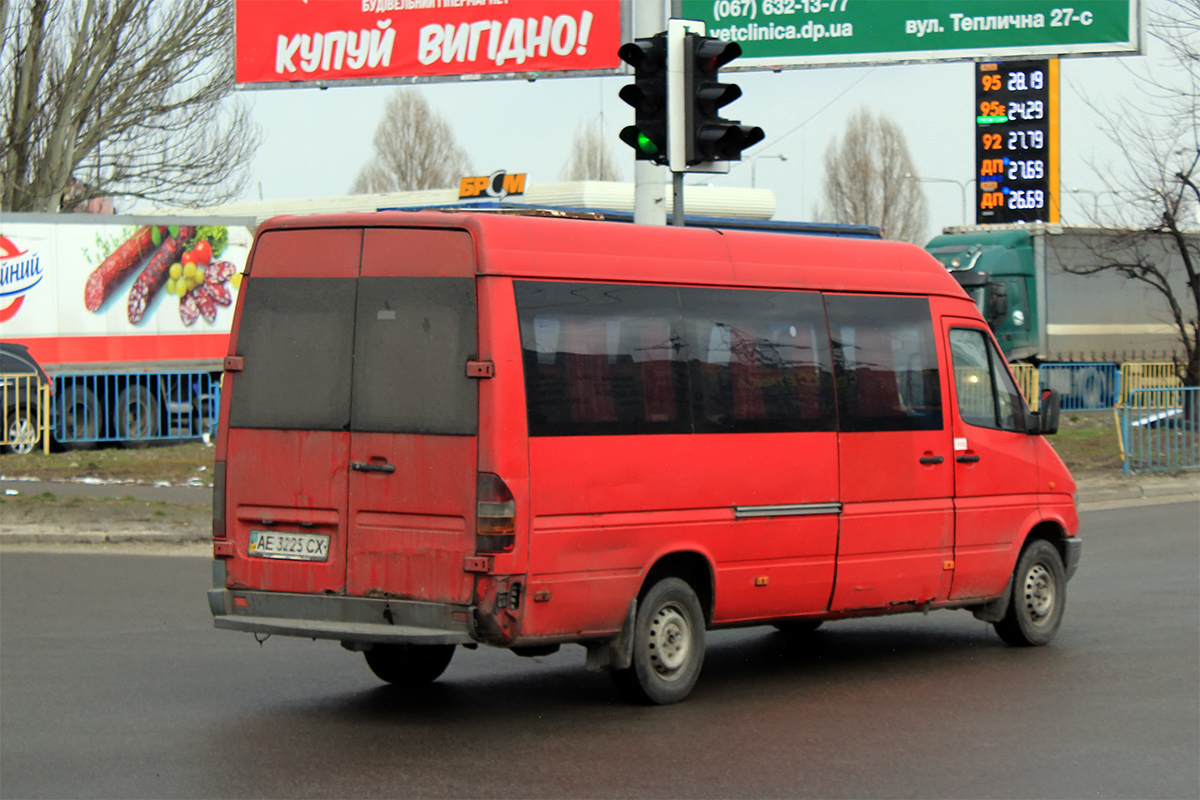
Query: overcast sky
(316, 140)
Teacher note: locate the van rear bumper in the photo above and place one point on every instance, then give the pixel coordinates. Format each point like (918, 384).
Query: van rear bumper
(347, 619)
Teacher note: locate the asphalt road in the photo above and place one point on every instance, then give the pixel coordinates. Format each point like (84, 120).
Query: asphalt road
(114, 684)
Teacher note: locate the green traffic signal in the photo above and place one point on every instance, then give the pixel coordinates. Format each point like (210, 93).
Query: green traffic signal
(648, 96)
(646, 144)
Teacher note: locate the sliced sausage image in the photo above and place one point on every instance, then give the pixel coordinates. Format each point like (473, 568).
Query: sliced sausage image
(188, 311)
(155, 275)
(219, 272)
(116, 268)
(205, 302)
(219, 292)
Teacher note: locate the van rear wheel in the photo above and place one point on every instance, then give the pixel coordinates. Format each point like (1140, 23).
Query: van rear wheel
(668, 645)
(1039, 596)
(409, 664)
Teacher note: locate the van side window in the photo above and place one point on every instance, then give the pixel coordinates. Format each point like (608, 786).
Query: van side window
(602, 359)
(885, 363)
(297, 336)
(619, 359)
(987, 395)
(759, 361)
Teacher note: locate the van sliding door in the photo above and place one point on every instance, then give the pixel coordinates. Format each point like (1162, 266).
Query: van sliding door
(897, 477)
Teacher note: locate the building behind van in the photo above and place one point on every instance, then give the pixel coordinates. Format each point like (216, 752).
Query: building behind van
(445, 429)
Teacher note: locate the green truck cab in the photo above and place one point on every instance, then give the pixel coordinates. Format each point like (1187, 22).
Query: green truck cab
(997, 271)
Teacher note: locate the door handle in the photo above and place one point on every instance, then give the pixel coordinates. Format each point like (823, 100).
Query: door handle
(364, 466)
(967, 459)
(932, 459)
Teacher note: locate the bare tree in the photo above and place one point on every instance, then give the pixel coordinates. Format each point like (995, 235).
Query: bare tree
(119, 98)
(1155, 178)
(868, 180)
(590, 159)
(414, 149)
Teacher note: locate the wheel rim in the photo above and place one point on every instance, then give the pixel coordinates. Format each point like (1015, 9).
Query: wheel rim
(1039, 594)
(670, 642)
(22, 436)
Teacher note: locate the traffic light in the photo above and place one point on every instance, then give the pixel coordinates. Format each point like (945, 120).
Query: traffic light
(710, 137)
(648, 96)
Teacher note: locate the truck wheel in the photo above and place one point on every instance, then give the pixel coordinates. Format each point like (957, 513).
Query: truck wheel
(1039, 596)
(409, 664)
(79, 418)
(137, 416)
(22, 433)
(668, 645)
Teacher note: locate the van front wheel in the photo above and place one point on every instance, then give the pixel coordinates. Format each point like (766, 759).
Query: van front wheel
(409, 664)
(1039, 596)
(668, 645)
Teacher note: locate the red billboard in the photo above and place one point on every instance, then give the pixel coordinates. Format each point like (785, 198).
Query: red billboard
(369, 41)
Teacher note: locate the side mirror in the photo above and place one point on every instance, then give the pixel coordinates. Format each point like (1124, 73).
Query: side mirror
(1045, 421)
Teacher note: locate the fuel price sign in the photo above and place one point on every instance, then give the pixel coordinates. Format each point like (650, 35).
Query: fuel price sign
(1016, 141)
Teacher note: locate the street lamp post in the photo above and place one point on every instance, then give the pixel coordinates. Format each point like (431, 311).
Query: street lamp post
(754, 162)
(1095, 200)
(962, 187)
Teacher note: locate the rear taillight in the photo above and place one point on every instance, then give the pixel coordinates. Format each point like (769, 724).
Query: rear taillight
(495, 515)
(218, 490)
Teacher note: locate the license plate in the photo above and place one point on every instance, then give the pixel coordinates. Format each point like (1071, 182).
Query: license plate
(288, 545)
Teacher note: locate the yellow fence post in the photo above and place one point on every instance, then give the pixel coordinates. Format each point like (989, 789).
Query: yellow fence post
(1027, 381)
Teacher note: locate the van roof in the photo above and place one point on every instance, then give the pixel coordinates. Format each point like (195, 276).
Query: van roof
(538, 247)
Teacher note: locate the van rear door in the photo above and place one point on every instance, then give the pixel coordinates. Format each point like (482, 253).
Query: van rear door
(353, 425)
(413, 450)
(289, 413)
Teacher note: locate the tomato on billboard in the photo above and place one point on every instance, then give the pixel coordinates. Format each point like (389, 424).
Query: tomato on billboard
(357, 41)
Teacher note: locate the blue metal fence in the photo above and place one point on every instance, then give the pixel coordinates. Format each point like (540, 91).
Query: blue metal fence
(1087, 386)
(134, 407)
(1160, 429)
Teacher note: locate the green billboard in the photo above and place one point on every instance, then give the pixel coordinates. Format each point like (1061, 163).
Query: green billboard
(778, 34)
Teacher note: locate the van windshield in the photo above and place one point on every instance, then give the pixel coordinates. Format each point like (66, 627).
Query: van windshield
(378, 354)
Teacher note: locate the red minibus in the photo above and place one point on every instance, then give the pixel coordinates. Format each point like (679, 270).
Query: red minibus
(443, 429)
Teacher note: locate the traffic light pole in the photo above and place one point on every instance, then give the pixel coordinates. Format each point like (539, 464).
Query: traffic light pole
(649, 202)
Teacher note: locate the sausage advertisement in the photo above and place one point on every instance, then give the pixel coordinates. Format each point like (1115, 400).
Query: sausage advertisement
(105, 289)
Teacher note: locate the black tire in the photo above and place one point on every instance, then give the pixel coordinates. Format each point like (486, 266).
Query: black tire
(22, 434)
(668, 645)
(79, 417)
(1039, 596)
(137, 417)
(799, 627)
(409, 664)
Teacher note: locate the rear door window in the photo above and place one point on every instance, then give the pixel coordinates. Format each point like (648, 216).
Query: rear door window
(297, 337)
(413, 341)
(327, 350)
